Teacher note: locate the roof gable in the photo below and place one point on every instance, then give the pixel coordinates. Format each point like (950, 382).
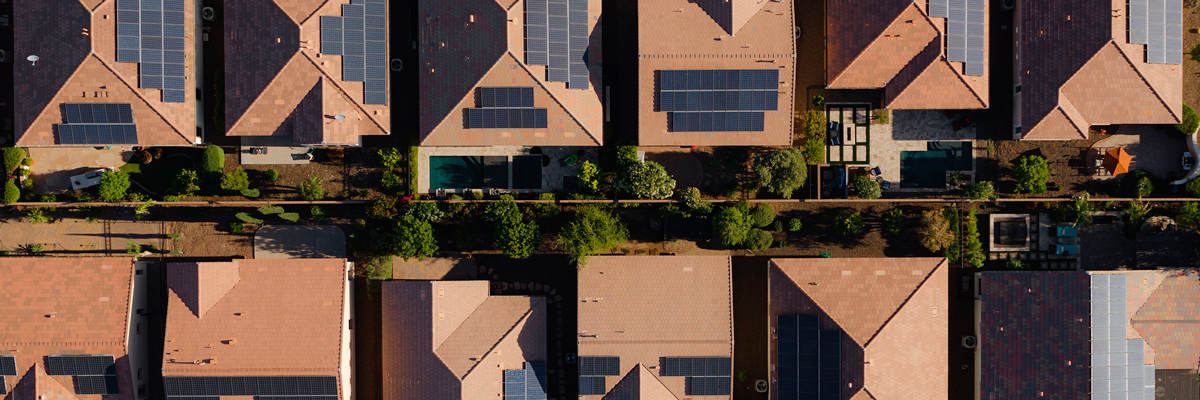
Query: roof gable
(201, 285)
(1055, 126)
(937, 87)
(731, 15)
(37, 385)
(260, 39)
(858, 24)
(299, 10)
(482, 331)
(641, 384)
(456, 52)
(1168, 322)
(908, 35)
(60, 47)
(908, 358)
(1109, 90)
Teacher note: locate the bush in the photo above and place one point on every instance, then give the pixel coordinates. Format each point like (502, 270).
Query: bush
(142, 157)
(175, 236)
(245, 217)
(213, 167)
(693, 202)
(975, 255)
(1144, 187)
(762, 215)
(781, 171)
(132, 247)
(187, 183)
(11, 192)
(272, 175)
(645, 179)
(814, 136)
(390, 180)
(13, 157)
(759, 239)
(1031, 173)
(732, 224)
(41, 215)
(881, 116)
(794, 225)
(335, 155)
(312, 189)
(848, 222)
(269, 210)
(1190, 120)
(48, 198)
(390, 157)
(1013, 263)
(866, 188)
(627, 153)
(382, 208)
(501, 210)
(953, 251)
(818, 100)
(540, 210)
(425, 211)
(413, 154)
(980, 191)
(592, 232)
(1081, 210)
(113, 185)
(411, 238)
(236, 180)
(517, 239)
(291, 217)
(251, 193)
(589, 177)
(935, 231)
(1136, 212)
(1189, 215)
(236, 227)
(893, 220)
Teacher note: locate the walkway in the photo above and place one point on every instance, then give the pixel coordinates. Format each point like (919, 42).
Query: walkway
(299, 241)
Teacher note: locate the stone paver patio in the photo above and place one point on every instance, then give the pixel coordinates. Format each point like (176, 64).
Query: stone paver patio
(910, 130)
(54, 166)
(1150, 148)
(299, 241)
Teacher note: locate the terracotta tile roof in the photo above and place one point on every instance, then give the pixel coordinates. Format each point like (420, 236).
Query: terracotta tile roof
(281, 317)
(644, 308)
(278, 84)
(893, 312)
(1033, 335)
(896, 46)
(89, 299)
(1077, 50)
(76, 47)
(459, 56)
(1169, 320)
(683, 34)
(641, 384)
(450, 339)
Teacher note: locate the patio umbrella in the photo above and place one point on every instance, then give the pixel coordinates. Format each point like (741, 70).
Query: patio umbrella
(1116, 161)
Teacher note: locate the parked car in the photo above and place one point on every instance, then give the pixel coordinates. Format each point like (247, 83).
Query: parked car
(833, 133)
(1188, 161)
(87, 180)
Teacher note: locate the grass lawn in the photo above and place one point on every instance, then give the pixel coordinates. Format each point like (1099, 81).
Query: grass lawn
(158, 176)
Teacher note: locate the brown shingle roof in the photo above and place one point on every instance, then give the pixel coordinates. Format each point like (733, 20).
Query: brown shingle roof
(458, 56)
(682, 34)
(57, 305)
(643, 308)
(278, 84)
(450, 339)
(281, 317)
(896, 46)
(1076, 52)
(893, 311)
(77, 64)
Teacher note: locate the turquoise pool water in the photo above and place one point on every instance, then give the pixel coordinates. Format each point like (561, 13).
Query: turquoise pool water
(927, 169)
(455, 172)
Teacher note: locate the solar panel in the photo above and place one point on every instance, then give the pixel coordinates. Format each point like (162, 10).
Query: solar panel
(8, 365)
(80, 365)
(938, 8)
(709, 386)
(592, 386)
(535, 32)
(514, 384)
(250, 386)
(96, 384)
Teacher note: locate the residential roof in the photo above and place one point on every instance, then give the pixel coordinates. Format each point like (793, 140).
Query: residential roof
(710, 35)
(470, 44)
(896, 46)
(64, 305)
(452, 340)
(645, 308)
(1077, 69)
(75, 45)
(277, 82)
(256, 318)
(893, 313)
(1169, 320)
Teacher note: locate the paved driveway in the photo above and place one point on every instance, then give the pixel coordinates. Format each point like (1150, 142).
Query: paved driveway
(299, 241)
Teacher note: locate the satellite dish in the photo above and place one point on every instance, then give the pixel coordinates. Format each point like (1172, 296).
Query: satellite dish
(339, 117)
(33, 59)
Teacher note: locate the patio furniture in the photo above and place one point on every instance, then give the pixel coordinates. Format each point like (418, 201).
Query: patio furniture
(1116, 161)
(876, 171)
(1063, 231)
(1066, 249)
(440, 193)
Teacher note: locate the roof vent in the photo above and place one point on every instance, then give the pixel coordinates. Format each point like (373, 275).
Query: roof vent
(231, 341)
(198, 361)
(51, 315)
(472, 18)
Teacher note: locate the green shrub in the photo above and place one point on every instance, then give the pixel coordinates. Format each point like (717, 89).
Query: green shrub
(589, 177)
(413, 153)
(1189, 215)
(935, 231)
(1144, 187)
(759, 239)
(814, 136)
(627, 153)
(516, 238)
(410, 238)
(777, 226)
(1013, 263)
(762, 215)
(501, 210)
(1190, 120)
(268, 210)
(13, 157)
(236, 180)
(477, 195)
(1194, 53)
(312, 189)
(136, 197)
(1031, 173)
(236, 227)
(187, 183)
(795, 224)
(389, 157)
(781, 171)
(848, 223)
(953, 251)
(544, 209)
(693, 202)
(290, 217)
(49, 198)
(975, 255)
(1137, 212)
(251, 193)
(132, 247)
(113, 185)
(41, 215)
(213, 167)
(732, 224)
(980, 191)
(818, 101)
(35, 249)
(390, 180)
(248, 219)
(382, 208)
(881, 116)
(318, 213)
(893, 220)
(272, 175)
(175, 236)
(646, 179)
(1081, 210)
(866, 188)
(11, 192)
(426, 211)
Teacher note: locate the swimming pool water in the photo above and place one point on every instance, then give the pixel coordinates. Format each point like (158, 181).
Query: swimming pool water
(455, 172)
(927, 169)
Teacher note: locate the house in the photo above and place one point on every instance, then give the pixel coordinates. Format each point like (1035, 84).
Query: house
(716, 73)
(1085, 63)
(1077, 335)
(510, 73)
(105, 72)
(73, 328)
(314, 72)
(922, 55)
(259, 328)
(859, 328)
(453, 340)
(655, 327)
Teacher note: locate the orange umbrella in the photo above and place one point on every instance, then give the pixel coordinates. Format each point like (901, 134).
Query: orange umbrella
(1116, 161)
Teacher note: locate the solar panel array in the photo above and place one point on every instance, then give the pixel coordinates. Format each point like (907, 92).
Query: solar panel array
(964, 32)
(556, 36)
(809, 359)
(718, 100)
(151, 33)
(97, 123)
(360, 37)
(706, 376)
(3, 385)
(1158, 24)
(207, 386)
(80, 365)
(526, 384)
(8, 365)
(1118, 364)
(504, 108)
(592, 373)
(96, 384)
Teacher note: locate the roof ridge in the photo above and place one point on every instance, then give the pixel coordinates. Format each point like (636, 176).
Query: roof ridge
(239, 119)
(524, 317)
(444, 117)
(460, 322)
(904, 303)
(1142, 77)
(551, 94)
(1067, 107)
(642, 368)
(310, 15)
(942, 57)
(138, 94)
(829, 82)
(341, 91)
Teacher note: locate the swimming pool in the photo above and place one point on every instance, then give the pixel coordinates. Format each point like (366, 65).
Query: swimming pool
(927, 169)
(455, 172)
(477, 172)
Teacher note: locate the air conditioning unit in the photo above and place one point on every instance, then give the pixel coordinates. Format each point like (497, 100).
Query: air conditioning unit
(208, 13)
(969, 341)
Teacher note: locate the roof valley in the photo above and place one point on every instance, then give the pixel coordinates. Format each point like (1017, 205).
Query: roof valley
(341, 91)
(549, 92)
(139, 95)
(903, 303)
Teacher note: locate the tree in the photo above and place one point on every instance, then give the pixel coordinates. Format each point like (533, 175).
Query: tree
(592, 231)
(893, 220)
(975, 255)
(410, 238)
(113, 185)
(13, 157)
(272, 175)
(516, 238)
(759, 239)
(762, 214)
(390, 180)
(980, 191)
(693, 202)
(1137, 212)
(589, 177)
(382, 208)
(312, 189)
(389, 157)
(781, 171)
(187, 183)
(814, 136)
(1192, 187)
(1190, 120)
(848, 223)
(1031, 173)
(501, 210)
(866, 187)
(1081, 210)
(732, 224)
(645, 179)
(423, 210)
(236, 180)
(935, 231)
(213, 167)
(1144, 187)
(11, 192)
(1189, 215)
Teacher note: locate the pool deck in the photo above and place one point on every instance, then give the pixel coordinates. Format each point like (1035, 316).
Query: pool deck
(910, 130)
(552, 175)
